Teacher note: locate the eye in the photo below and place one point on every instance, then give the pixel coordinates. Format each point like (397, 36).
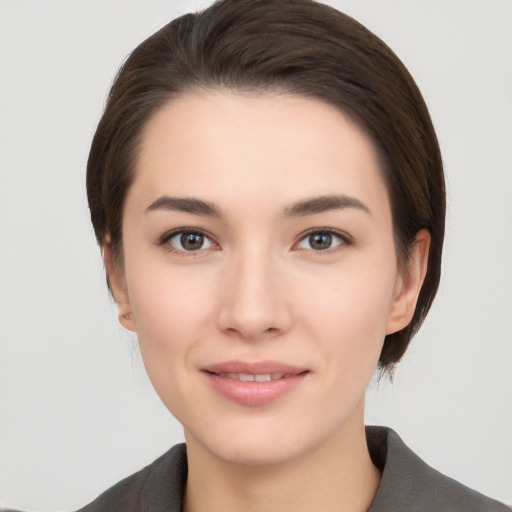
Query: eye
(187, 241)
(323, 240)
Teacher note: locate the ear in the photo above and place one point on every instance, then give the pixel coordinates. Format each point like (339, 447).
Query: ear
(117, 282)
(409, 283)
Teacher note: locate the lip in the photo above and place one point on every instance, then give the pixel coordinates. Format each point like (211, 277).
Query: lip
(254, 392)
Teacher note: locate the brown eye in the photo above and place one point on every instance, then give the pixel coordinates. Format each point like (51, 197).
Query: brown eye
(189, 241)
(322, 241)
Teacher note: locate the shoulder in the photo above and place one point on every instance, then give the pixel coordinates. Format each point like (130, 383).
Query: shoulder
(155, 488)
(408, 483)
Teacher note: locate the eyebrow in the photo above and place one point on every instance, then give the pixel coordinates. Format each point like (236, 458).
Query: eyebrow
(323, 204)
(185, 204)
(304, 207)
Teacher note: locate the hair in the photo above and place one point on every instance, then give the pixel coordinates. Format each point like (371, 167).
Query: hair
(292, 46)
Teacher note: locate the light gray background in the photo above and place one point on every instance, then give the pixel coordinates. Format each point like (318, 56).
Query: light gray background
(77, 413)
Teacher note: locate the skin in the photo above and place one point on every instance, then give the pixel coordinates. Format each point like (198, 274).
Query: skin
(259, 290)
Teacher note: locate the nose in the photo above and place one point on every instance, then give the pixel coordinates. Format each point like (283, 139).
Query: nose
(254, 299)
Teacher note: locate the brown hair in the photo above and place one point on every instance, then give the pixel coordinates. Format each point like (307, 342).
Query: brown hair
(295, 46)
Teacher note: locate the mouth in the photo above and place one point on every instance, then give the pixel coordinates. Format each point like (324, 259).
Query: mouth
(260, 377)
(254, 383)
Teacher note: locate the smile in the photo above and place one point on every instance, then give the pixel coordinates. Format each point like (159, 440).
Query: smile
(248, 377)
(254, 383)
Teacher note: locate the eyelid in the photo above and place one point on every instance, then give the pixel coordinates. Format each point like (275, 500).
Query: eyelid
(345, 238)
(166, 237)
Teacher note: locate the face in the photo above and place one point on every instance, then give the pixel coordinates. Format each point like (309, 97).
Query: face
(259, 272)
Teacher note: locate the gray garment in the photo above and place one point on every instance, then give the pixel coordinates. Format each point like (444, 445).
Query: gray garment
(407, 484)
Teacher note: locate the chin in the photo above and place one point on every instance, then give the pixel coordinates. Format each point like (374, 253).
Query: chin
(257, 443)
(256, 453)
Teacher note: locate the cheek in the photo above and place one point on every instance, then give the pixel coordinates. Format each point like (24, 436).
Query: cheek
(349, 313)
(172, 308)
(172, 313)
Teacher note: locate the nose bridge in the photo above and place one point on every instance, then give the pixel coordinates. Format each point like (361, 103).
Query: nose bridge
(254, 304)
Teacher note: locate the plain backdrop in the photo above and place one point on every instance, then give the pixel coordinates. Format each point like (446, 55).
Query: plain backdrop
(76, 410)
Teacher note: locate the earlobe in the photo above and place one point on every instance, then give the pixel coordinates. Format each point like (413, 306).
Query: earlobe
(409, 284)
(118, 286)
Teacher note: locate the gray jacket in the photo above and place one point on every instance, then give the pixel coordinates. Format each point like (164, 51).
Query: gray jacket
(407, 484)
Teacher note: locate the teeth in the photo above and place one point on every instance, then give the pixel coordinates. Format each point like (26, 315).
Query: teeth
(248, 377)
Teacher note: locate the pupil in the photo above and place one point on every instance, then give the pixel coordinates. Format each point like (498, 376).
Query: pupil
(320, 241)
(191, 241)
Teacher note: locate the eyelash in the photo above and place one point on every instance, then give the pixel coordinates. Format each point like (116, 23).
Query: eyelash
(167, 237)
(343, 238)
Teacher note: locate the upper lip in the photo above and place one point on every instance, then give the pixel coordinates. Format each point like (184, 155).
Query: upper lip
(254, 368)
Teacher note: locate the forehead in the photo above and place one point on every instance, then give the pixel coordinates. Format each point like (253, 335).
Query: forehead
(224, 146)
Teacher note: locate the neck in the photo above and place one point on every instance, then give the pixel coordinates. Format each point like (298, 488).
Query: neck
(337, 475)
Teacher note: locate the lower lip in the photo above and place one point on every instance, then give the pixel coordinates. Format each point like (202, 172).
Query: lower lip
(254, 392)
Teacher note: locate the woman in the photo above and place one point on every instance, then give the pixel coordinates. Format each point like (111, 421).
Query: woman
(279, 170)
(267, 189)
